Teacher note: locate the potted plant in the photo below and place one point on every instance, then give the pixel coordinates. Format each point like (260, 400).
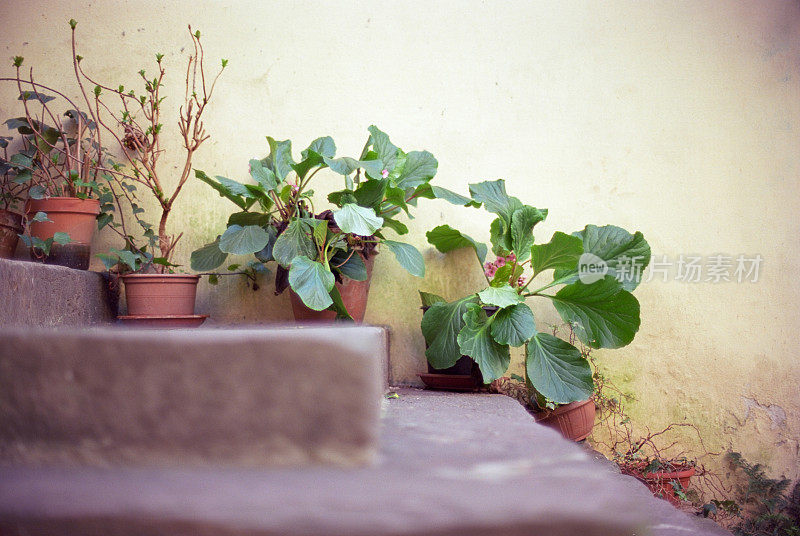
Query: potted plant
(667, 478)
(596, 268)
(155, 294)
(59, 162)
(325, 257)
(13, 190)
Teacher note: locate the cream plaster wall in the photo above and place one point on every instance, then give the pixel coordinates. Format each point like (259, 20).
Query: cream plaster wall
(679, 119)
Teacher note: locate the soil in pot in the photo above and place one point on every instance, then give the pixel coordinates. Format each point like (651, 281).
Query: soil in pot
(10, 229)
(465, 375)
(354, 296)
(574, 420)
(160, 295)
(71, 215)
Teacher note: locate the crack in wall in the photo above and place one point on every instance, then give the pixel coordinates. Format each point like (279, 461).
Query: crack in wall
(776, 414)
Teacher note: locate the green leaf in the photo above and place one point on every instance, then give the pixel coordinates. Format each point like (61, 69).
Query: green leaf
(243, 240)
(440, 327)
(322, 146)
(429, 191)
(342, 166)
(445, 238)
(280, 160)
(396, 197)
(561, 253)
(248, 218)
(321, 232)
(303, 167)
(385, 149)
(37, 192)
(351, 266)
(618, 248)
(40, 217)
(494, 197)
(263, 175)
(265, 255)
(312, 282)
(420, 167)
(338, 305)
(129, 258)
(395, 225)
(500, 236)
(33, 95)
(233, 187)
(602, 314)
(109, 261)
(104, 219)
(23, 176)
(503, 296)
(408, 256)
(47, 142)
(372, 168)
(61, 238)
(557, 369)
(476, 341)
(341, 197)
(513, 325)
(222, 190)
(370, 193)
(292, 242)
(523, 221)
(428, 299)
(208, 257)
(352, 218)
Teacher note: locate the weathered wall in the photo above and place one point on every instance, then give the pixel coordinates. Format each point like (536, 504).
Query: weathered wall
(680, 120)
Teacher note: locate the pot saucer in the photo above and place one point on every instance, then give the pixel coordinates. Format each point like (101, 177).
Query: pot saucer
(162, 321)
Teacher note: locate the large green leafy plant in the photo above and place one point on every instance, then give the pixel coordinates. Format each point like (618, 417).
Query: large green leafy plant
(596, 268)
(277, 220)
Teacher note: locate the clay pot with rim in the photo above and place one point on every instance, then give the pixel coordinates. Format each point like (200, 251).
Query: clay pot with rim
(574, 420)
(161, 300)
(661, 482)
(354, 296)
(10, 229)
(74, 216)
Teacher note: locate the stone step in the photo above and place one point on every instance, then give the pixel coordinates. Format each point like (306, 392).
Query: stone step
(258, 397)
(449, 464)
(35, 294)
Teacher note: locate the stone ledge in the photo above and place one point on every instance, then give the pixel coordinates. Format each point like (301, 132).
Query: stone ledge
(449, 464)
(34, 294)
(224, 397)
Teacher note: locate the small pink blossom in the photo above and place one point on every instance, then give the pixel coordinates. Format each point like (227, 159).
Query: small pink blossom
(512, 258)
(521, 282)
(489, 269)
(385, 173)
(500, 262)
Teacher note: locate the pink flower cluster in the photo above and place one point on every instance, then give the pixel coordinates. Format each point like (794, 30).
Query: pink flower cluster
(490, 268)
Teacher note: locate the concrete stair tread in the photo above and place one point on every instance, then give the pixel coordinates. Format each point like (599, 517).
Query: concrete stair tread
(448, 464)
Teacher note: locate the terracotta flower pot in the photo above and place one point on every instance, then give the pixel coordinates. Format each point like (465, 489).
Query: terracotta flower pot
(660, 482)
(160, 294)
(574, 420)
(354, 295)
(71, 215)
(10, 229)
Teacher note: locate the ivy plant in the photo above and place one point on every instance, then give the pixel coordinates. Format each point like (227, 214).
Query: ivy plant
(596, 270)
(277, 221)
